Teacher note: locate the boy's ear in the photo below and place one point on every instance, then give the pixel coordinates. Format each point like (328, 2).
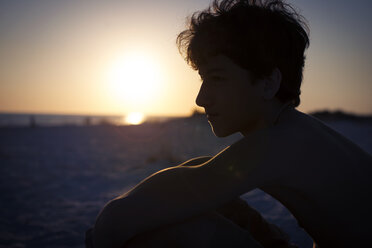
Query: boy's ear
(272, 84)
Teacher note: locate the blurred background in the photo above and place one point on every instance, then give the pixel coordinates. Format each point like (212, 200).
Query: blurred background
(116, 57)
(77, 76)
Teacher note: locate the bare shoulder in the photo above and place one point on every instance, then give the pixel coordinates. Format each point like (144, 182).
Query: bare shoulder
(298, 145)
(299, 132)
(302, 149)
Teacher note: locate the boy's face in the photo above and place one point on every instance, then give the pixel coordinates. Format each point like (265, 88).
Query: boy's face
(232, 100)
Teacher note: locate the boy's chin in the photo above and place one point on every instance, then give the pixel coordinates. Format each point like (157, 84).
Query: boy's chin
(220, 132)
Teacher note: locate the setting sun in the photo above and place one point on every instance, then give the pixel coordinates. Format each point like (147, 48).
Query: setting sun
(134, 118)
(134, 79)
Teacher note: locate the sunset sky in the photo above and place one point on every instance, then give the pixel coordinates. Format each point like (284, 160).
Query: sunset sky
(84, 56)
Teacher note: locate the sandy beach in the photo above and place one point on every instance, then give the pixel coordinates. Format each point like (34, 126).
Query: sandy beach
(54, 180)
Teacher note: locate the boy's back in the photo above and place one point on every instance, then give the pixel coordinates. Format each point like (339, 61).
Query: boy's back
(323, 179)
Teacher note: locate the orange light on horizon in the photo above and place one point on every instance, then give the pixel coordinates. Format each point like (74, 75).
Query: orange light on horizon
(135, 118)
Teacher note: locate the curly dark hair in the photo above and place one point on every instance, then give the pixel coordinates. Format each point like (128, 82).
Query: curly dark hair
(259, 35)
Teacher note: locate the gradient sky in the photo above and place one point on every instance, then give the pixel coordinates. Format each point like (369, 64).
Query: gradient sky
(55, 55)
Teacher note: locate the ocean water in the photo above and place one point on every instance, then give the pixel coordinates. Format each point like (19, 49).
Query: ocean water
(33, 120)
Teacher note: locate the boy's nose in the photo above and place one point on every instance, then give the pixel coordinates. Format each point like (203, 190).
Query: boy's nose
(202, 100)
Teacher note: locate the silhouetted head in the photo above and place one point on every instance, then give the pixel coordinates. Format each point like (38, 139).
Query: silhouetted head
(260, 36)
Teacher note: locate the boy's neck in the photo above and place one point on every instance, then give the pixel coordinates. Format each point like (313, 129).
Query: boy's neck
(272, 115)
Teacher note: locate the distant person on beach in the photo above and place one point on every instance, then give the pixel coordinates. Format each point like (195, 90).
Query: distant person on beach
(250, 56)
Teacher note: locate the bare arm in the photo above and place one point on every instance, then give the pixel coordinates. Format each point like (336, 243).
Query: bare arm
(179, 193)
(196, 161)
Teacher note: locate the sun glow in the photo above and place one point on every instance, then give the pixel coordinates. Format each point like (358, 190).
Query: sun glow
(135, 118)
(134, 80)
